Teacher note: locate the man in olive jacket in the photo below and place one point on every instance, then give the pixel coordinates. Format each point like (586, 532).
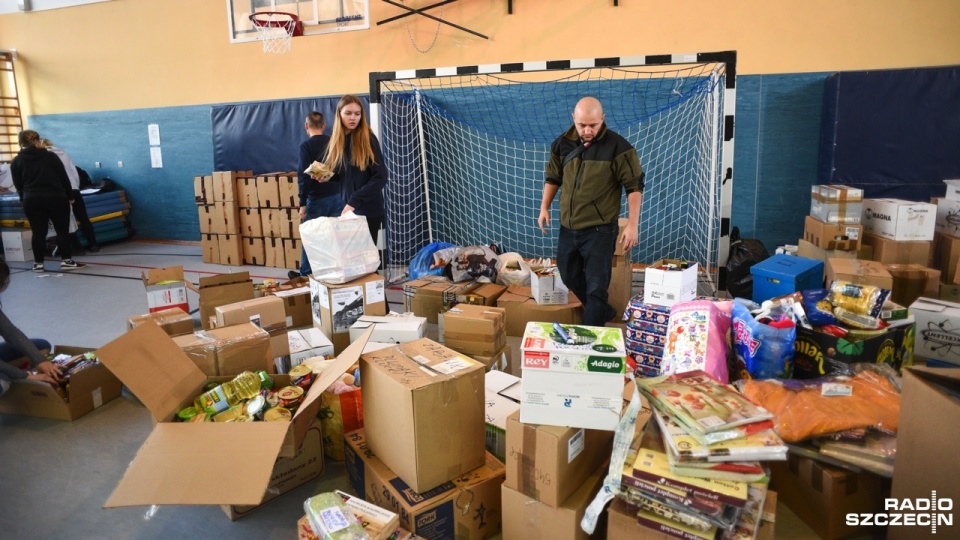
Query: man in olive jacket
(591, 166)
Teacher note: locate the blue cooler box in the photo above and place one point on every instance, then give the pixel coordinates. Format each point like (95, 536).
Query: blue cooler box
(784, 274)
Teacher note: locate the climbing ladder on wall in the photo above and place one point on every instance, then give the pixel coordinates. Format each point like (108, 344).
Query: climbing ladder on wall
(11, 122)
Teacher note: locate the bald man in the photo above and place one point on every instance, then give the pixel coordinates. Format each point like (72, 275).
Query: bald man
(590, 166)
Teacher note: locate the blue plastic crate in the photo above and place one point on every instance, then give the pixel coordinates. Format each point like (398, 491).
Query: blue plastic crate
(784, 274)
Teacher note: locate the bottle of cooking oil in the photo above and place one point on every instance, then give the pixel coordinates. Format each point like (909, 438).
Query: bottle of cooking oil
(243, 387)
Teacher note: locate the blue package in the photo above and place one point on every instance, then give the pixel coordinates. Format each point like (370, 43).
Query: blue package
(763, 352)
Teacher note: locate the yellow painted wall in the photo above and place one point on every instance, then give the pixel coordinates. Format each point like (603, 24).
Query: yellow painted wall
(129, 54)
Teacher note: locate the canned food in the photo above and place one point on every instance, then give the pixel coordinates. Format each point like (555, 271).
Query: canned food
(301, 376)
(272, 399)
(230, 415)
(290, 397)
(278, 414)
(256, 406)
(187, 414)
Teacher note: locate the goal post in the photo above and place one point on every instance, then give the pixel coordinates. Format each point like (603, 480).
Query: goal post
(466, 148)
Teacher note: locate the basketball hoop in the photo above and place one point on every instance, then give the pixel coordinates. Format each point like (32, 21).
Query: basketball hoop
(276, 29)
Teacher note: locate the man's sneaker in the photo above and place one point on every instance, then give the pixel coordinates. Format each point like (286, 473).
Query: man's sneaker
(38, 267)
(293, 274)
(93, 248)
(71, 264)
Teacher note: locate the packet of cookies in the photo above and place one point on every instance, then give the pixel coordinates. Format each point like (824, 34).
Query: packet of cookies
(319, 171)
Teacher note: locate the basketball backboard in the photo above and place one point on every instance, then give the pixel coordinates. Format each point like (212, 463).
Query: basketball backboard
(318, 16)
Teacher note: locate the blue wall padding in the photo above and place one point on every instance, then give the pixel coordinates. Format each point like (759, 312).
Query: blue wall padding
(894, 133)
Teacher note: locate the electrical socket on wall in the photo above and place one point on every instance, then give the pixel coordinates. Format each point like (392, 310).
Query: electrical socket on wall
(119, 164)
(96, 164)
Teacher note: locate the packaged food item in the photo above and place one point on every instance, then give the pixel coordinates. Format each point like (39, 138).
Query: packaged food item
(862, 299)
(277, 414)
(818, 308)
(332, 519)
(290, 397)
(243, 387)
(857, 320)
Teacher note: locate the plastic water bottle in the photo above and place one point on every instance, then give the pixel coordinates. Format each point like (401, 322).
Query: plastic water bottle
(243, 387)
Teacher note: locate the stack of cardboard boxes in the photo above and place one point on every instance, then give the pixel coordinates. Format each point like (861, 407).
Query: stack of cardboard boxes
(246, 219)
(946, 244)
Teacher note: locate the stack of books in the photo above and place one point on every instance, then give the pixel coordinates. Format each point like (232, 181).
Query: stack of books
(695, 471)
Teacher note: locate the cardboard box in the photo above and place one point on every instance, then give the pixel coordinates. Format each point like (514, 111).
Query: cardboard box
(429, 296)
(832, 235)
(474, 330)
(836, 204)
(484, 294)
(525, 517)
(231, 250)
(273, 253)
(251, 222)
(836, 193)
(290, 223)
(621, 283)
(424, 417)
(253, 251)
(220, 290)
(899, 252)
(210, 248)
(946, 256)
(822, 495)
(911, 281)
(784, 274)
(497, 408)
(938, 329)
(165, 380)
(208, 219)
(501, 360)
(271, 219)
(166, 288)
(265, 312)
(667, 287)
(308, 343)
(292, 251)
(810, 251)
(227, 217)
(337, 307)
(268, 191)
(89, 389)
(229, 350)
(174, 321)
(927, 439)
(949, 292)
(296, 301)
(247, 193)
(289, 191)
(391, 328)
(547, 288)
(520, 309)
(813, 350)
(897, 219)
(953, 189)
(439, 514)
(225, 185)
(288, 473)
(549, 463)
(203, 189)
(572, 384)
(948, 216)
(856, 271)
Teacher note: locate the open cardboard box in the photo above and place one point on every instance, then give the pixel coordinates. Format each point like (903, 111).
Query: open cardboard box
(169, 468)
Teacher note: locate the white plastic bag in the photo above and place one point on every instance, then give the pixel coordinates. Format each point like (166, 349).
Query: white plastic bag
(339, 249)
(513, 270)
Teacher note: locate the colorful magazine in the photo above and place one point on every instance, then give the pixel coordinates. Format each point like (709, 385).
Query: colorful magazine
(632, 486)
(764, 446)
(749, 521)
(740, 471)
(673, 528)
(725, 517)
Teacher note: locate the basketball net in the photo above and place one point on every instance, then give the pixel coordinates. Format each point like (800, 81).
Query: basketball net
(275, 31)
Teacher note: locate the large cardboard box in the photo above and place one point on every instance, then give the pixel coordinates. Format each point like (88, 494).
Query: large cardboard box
(468, 507)
(253, 251)
(810, 251)
(203, 189)
(833, 203)
(288, 473)
(527, 518)
(290, 225)
(272, 220)
(227, 217)
(88, 389)
(621, 283)
(292, 251)
(220, 290)
(897, 219)
(251, 223)
(289, 191)
(17, 245)
(231, 249)
(484, 294)
(857, 271)
(229, 350)
(949, 292)
(423, 411)
(391, 328)
(890, 251)
(225, 185)
(268, 191)
(337, 307)
(938, 329)
(247, 193)
(174, 321)
(266, 312)
(578, 384)
(521, 309)
(946, 255)
(927, 440)
(549, 463)
(165, 380)
(208, 219)
(832, 235)
(666, 287)
(948, 216)
(501, 360)
(822, 495)
(210, 248)
(308, 343)
(474, 330)
(166, 288)
(911, 281)
(296, 301)
(429, 296)
(814, 350)
(783, 274)
(546, 287)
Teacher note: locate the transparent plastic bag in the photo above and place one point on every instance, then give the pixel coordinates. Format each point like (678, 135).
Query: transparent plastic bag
(340, 249)
(513, 270)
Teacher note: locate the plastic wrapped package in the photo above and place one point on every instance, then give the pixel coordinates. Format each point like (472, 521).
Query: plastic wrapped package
(331, 519)
(422, 264)
(697, 337)
(818, 308)
(763, 351)
(513, 270)
(865, 396)
(858, 298)
(340, 249)
(474, 262)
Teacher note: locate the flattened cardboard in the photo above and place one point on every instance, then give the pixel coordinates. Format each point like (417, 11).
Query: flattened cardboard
(165, 470)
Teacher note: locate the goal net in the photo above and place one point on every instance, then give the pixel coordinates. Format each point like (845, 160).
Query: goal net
(466, 150)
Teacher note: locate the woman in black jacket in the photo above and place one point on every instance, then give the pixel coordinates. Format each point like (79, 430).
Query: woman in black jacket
(46, 195)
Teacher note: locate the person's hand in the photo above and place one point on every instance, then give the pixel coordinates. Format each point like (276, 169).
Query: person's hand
(50, 369)
(346, 210)
(629, 238)
(544, 218)
(303, 213)
(42, 377)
